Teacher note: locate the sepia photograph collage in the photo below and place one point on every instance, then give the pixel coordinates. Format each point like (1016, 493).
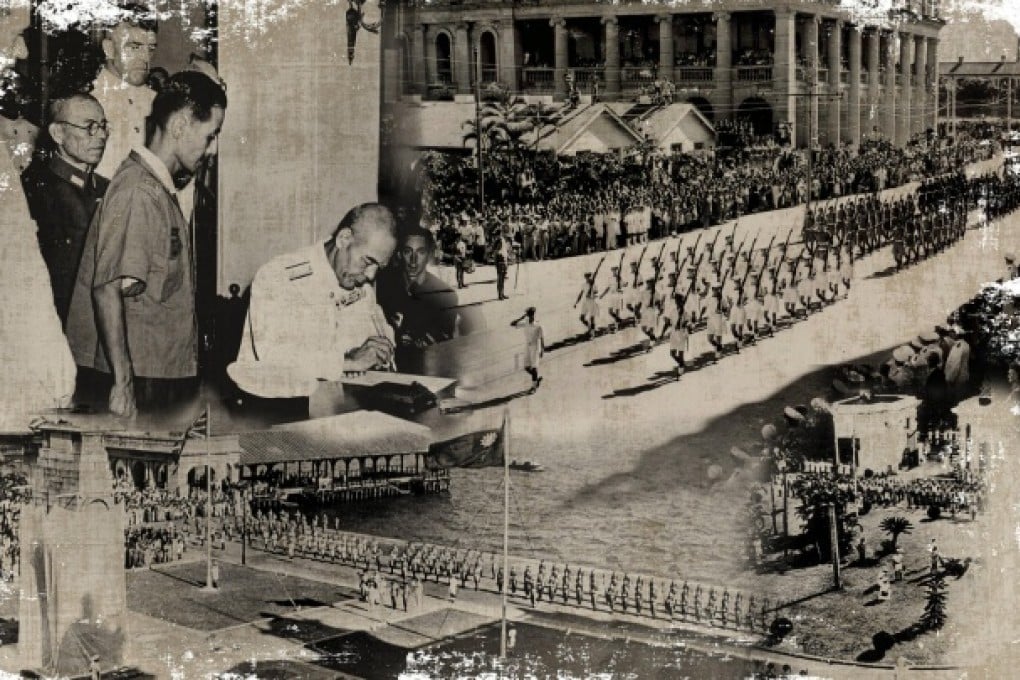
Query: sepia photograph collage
(442, 339)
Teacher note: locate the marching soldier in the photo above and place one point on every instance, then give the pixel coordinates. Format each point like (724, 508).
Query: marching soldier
(679, 344)
(614, 303)
(823, 289)
(791, 297)
(754, 310)
(772, 305)
(737, 320)
(590, 308)
(635, 294)
(716, 326)
(806, 290)
(648, 317)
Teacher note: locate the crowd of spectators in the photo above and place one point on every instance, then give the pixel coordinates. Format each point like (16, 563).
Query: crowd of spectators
(553, 206)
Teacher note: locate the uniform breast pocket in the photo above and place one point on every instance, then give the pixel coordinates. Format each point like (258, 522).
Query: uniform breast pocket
(167, 276)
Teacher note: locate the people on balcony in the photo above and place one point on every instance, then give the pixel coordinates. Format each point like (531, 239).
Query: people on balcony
(753, 57)
(706, 59)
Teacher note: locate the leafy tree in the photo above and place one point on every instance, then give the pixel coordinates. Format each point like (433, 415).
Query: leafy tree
(934, 616)
(816, 494)
(895, 526)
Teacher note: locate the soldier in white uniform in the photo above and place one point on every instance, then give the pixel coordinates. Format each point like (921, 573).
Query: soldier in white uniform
(648, 317)
(772, 306)
(806, 291)
(614, 301)
(791, 295)
(635, 296)
(737, 320)
(313, 313)
(679, 345)
(670, 314)
(845, 265)
(590, 306)
(536, 345)
(754, 309)
(716, 327)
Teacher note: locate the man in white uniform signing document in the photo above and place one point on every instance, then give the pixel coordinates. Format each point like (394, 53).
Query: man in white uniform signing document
(313, 314)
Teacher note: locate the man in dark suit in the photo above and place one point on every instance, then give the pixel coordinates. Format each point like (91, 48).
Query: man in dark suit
(63, 189)
(420, 306)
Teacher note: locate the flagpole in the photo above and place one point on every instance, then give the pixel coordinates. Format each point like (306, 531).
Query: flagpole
(208, 500)
(506, 529)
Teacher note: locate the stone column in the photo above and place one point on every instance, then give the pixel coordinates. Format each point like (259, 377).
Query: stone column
(462, 59)
(903, 112)
(508, 54)
(784, 73)
(431, 56)
(933, 76)
(560, 57)
(919, 114)
(419, 64)
(853, 107)
(723, 74)
(666, 58)
(889, 92)
(874, 120)
(832, 105)
(811, 75)
(612, 43)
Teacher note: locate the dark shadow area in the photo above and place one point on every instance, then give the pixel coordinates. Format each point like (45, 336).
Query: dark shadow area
(8, 631)
(495, 401)
(658, 469)
(279, 670)
(175, 594)
(299, 602)
(360, 654)
(303, 630)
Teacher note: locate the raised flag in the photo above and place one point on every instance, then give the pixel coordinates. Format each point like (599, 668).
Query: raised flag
(473, 450)
(199, 429)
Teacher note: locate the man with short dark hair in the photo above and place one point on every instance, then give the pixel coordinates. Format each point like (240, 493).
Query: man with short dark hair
(313, 313)
(132, 316)
(419, 305)
(63, 190)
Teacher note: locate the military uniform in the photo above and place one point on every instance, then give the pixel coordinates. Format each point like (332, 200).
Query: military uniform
(300, 324)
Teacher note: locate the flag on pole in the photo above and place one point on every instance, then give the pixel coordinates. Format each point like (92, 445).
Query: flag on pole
(480, 449)
(199, 429)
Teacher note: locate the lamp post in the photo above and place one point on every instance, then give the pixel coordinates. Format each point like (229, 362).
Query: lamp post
(478, 131)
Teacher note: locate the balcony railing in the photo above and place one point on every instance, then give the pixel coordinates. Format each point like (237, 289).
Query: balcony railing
(754, 74)
(636, 76)
(693, 74)
(584, 77)
(537, 79)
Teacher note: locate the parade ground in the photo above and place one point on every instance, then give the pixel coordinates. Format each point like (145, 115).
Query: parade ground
(641, 498)
(280, 618)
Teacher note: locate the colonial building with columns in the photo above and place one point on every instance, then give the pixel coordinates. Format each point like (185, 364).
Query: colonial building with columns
(832, 71)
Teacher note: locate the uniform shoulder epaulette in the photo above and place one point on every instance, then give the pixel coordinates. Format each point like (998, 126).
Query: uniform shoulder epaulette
(298, 270)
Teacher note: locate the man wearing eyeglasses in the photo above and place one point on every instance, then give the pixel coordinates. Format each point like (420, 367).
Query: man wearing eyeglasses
(63, 190)
(121, 84)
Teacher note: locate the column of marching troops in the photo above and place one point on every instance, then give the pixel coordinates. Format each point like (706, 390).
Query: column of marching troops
(739, 293)
(298, 536)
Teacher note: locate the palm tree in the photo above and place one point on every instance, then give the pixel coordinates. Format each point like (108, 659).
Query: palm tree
(505, 121)
(894, 526)
(934, 616)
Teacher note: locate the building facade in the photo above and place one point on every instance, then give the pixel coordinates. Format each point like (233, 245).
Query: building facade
(827, 71)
